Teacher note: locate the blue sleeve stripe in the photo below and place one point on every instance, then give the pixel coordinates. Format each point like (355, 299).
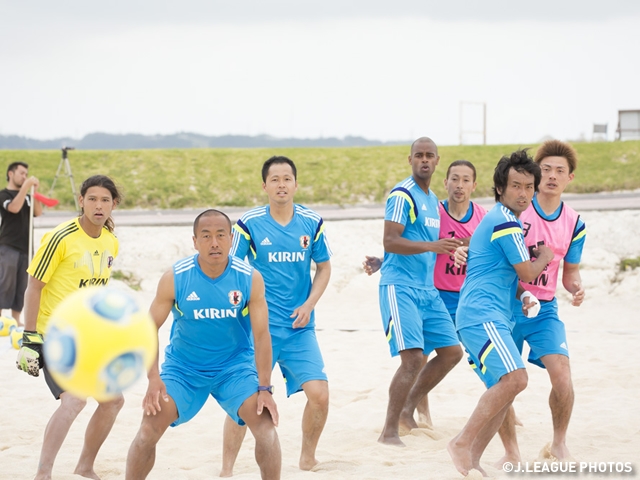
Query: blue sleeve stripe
(505, 231)
(506, 225)
(319, 231)
(580, 232)
(241, 228)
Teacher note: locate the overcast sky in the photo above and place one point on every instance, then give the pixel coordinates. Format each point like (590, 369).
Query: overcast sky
(385, 70)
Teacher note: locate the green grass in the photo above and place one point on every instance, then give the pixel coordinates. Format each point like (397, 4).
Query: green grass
(629, 264)
(198, 178)
(128, 278)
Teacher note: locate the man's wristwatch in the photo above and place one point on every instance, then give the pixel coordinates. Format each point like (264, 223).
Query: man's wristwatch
(268, 388)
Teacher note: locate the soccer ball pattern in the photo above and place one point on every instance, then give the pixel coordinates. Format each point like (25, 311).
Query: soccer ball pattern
(98, 342)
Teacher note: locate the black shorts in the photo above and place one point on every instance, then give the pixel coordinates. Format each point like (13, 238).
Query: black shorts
(56, 390)
(13, 278)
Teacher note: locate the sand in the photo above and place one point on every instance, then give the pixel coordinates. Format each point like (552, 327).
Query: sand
(602, 335)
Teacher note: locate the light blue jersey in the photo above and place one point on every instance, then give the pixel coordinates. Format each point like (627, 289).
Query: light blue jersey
(410, 206)
(210, 330)
(283, 255)
(489, 291)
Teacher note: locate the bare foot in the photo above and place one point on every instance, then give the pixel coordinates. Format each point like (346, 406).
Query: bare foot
(393, 440)
(518, 422)
(425, 432)
(513, 459)
(424, 421)
(475, 474)
(224, 473)
(86, 473)
(561, 452)
(480, 469)
(461, 457)
(307, 463)
(407, 421)
(552, 453)
(404, 428)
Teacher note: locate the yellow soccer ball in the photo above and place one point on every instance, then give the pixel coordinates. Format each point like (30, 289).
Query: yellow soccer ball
(16, 337)
(5, 326)
(98, 342)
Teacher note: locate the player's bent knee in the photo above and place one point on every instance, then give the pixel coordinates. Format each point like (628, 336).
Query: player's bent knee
(71, 403)
(516, 380)
(317, 392)
(411, 359)
(115, 404)
(454, 354)
(150, 432)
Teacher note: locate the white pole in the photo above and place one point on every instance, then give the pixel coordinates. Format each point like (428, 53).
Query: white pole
(31, 202)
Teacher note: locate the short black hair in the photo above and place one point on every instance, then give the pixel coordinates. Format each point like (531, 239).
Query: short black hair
(13, 166)
(276, 160)
(208, 213)
(463, 163)
(521, 162)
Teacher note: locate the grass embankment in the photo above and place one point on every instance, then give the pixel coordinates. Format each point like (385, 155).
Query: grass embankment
(197, 178)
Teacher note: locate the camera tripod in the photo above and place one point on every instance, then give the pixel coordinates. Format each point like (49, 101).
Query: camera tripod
(64, 162)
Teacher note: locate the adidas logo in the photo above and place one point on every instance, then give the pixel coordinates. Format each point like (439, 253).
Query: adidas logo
(564, 345)
(266, 241)
(193, 296)
(424, 207)
(96, 254)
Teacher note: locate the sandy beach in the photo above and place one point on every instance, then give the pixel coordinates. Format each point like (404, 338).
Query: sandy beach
(602, 334)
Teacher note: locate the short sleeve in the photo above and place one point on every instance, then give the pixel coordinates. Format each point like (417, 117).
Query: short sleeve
(321, 252)
(509, 238)
(242, 241)
(47, 258)
(401, 207)
(574, 254)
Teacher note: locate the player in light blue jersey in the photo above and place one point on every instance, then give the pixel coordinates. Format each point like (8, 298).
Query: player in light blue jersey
(414, 317)
(497, 257)
(551, 222)
(210, 352)
(281, 240)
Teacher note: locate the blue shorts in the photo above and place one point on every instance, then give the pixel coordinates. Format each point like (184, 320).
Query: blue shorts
(415, 318)
(545, 333)
(450, 300)
(297, 352)
(492, 351)
(190, 390)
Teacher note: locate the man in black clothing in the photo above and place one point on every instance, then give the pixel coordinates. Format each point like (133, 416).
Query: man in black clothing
(15, 205)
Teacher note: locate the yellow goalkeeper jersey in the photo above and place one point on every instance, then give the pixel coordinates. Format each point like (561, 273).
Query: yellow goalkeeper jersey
(69, 259)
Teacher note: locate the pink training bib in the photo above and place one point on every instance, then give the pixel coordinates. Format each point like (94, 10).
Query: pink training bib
(556, 234)
(446, 275)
